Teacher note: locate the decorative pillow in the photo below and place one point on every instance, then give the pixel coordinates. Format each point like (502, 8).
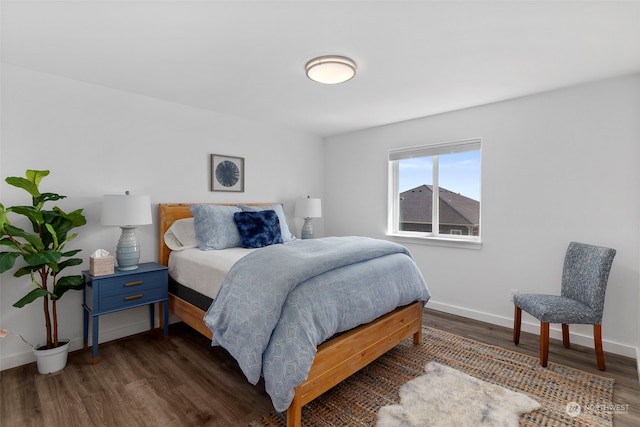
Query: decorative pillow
(258, 229)
(181, 235)
(214, 227)
(284, 228)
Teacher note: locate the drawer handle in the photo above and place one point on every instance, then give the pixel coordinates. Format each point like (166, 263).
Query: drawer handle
(136, 296)
(137, 282)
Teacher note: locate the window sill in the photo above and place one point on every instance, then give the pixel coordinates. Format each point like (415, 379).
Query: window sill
(436, 241)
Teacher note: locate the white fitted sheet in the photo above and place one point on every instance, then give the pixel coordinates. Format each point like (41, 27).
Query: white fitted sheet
(204, 271)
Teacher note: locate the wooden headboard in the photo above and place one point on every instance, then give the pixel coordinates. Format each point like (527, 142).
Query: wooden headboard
(170, 212)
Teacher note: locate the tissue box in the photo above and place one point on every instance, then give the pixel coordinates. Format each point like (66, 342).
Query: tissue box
(101, 266)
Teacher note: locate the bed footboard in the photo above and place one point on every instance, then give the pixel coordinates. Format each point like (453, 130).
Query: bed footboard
(343, 356)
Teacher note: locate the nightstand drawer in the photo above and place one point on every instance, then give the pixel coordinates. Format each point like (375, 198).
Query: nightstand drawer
(132, 284)
(132, 298)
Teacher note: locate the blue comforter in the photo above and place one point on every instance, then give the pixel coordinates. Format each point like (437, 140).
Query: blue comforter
(277, 304)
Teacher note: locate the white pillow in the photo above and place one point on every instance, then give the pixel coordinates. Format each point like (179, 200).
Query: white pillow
(181, 235)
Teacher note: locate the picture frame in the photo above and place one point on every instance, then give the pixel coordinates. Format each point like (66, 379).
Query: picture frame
(227, 173)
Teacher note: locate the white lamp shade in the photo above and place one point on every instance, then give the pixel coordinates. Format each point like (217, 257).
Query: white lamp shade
(308, 208)
(126, 210)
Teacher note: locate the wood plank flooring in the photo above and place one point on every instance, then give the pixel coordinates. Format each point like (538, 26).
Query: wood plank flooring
(146, 380)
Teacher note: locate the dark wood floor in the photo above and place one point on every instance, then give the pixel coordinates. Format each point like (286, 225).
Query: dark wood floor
(146, 380)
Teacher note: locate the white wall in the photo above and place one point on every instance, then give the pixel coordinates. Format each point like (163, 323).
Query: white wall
(99, 141)
(556, 167)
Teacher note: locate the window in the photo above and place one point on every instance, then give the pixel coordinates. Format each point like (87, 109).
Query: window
(434, 191)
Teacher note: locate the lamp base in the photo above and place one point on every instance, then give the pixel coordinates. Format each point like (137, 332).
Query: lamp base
(135, 267)
(128, 250)
(307, 229)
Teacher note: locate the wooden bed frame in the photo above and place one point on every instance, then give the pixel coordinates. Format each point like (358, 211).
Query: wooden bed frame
(337, 358)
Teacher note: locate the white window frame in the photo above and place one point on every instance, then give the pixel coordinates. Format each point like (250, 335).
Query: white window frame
(393, 212)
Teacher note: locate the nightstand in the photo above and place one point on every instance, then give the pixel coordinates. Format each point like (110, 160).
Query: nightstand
(123, 290)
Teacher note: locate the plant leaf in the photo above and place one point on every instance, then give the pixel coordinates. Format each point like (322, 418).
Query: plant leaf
(29, 211)
(26, 270)
(71, 253)
(60, 225)
(33, 239)
(8, 242)
(3, 217)
(69, 263)
(47, 197)
(7, 260)
(27, 185)
(31, 296)
(42, 258)
(67, 283)
(76, 217)
(53, 234)
(36, 176)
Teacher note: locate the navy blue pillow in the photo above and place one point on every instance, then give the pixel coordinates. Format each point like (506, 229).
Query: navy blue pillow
(258, 229)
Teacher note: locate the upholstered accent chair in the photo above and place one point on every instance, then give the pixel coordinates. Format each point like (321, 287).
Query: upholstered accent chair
(581, 301)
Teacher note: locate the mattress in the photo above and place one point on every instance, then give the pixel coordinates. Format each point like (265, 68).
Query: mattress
(203, 271)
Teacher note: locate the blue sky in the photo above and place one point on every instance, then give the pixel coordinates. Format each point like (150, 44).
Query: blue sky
(459, 172)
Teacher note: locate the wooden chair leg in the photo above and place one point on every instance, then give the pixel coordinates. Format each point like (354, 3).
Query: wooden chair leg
(544, 343)
(565, 335)
(517, 321)
(597, 339)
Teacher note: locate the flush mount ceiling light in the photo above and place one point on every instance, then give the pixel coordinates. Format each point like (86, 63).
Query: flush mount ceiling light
(330, 69)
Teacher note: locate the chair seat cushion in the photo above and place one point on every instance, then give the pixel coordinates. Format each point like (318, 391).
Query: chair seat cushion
(556, 309)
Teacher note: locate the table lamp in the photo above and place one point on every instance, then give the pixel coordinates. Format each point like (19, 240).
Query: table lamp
(127, 212)
(308, 208)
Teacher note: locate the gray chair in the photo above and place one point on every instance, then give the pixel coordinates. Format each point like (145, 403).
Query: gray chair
(584, 283)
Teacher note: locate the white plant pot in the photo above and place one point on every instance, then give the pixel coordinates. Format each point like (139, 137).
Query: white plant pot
(53, 359)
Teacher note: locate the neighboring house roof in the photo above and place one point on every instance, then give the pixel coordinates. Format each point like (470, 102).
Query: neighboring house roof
(415, 206)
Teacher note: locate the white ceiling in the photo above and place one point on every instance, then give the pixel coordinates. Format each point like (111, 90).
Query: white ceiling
(246, 59)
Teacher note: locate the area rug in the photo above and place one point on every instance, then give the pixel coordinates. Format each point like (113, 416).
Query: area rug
(568, 396)
(447, 397)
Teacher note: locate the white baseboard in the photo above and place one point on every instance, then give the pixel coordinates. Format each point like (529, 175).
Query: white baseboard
(555, 332)
(638, 361)
(25, 357)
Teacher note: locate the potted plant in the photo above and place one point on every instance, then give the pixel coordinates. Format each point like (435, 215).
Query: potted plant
(44, 256)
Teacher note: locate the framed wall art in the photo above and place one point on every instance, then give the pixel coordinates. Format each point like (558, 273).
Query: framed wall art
(227, 173)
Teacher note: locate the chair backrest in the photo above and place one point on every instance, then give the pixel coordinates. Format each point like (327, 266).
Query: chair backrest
(585, 274)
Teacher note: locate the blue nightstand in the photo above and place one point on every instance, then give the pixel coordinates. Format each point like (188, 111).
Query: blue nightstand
(123, 290)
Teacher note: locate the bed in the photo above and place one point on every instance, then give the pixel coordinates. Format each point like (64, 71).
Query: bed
(336, 358)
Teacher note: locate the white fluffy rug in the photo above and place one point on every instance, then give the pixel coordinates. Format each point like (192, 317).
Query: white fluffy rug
(447, 397)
